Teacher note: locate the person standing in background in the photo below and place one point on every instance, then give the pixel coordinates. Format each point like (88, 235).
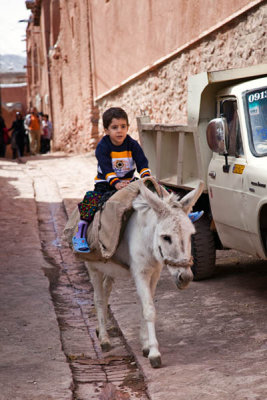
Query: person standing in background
(2, 137)
(46, 134)
(18, 136)
(34, 132)
(27, 121)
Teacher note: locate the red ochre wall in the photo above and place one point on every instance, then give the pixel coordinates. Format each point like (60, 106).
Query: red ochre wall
(130, 35)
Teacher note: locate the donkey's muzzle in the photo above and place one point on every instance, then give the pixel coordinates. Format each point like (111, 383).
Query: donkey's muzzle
(184, 277)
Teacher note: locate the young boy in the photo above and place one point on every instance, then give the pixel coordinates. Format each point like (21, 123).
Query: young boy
(118, 155)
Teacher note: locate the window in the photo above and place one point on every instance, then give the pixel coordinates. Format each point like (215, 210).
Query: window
(228, 110)
(257, 120)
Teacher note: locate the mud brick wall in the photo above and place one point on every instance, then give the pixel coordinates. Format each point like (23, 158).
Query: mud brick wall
(162, 93)
(74, 116)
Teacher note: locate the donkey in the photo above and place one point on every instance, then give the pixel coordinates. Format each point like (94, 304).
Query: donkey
(158, 233)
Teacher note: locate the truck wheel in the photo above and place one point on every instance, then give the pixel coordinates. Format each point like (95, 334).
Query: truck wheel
(203, 250)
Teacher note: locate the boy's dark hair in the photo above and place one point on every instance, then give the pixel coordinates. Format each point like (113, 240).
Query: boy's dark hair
(113, 112)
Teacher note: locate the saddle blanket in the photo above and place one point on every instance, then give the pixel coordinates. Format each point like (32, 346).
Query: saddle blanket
(105, 231)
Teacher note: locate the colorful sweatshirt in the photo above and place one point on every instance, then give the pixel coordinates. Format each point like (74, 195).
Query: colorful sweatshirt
(117, 163)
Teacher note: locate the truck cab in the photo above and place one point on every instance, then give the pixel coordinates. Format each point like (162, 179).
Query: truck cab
(237, 172)
(224, 145)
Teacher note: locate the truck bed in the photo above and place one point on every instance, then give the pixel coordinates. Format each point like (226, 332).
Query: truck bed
(171, 152)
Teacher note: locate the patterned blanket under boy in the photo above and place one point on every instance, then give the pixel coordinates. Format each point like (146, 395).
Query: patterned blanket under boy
(110, 221)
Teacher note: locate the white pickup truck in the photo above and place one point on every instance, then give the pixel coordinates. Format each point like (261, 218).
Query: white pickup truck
(225, 145)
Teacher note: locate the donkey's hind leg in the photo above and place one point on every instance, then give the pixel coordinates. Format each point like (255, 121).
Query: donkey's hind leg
(107, 285)
(100, 299)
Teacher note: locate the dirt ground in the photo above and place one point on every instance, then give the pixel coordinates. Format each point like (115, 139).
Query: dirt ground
(213, 335)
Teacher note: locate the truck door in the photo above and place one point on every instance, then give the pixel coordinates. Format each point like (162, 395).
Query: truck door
(226, 189)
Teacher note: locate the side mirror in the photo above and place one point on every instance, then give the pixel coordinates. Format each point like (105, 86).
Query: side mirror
(217, 132)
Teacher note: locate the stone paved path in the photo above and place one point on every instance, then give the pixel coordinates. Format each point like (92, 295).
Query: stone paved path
(68, 342)
(213, 336)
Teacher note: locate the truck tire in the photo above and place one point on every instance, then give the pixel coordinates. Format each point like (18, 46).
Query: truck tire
(203, 250)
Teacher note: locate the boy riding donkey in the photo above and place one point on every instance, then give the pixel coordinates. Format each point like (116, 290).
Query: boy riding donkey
(118, 155)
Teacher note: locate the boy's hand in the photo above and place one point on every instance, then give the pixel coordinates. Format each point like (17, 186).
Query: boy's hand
(121, 185)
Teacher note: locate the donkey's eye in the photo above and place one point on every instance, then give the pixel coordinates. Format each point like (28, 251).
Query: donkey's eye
(167, 238)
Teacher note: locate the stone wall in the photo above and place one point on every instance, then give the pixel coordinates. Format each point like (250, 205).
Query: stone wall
(162, 93)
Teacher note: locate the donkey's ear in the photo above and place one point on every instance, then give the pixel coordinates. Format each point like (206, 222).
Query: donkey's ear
(148, 199)
(191, 198)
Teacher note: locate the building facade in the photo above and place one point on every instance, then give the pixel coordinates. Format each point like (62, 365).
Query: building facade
(13, 98)
(87, 55)
(59, 71)
(13, 92)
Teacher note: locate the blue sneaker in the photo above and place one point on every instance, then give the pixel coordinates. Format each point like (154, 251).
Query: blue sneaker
(194, 216)
(80, 245)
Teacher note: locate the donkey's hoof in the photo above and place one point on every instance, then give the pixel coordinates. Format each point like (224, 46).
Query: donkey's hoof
(106, 346)
(145, 352)
(155, 362)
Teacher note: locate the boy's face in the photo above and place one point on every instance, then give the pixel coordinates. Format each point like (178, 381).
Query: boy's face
(117, 131)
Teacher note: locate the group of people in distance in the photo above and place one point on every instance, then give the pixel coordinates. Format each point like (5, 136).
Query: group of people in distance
(28, 135)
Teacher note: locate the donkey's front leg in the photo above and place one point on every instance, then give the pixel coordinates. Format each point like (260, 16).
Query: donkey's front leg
(149, 315)
(97, 279)
(143, 328)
